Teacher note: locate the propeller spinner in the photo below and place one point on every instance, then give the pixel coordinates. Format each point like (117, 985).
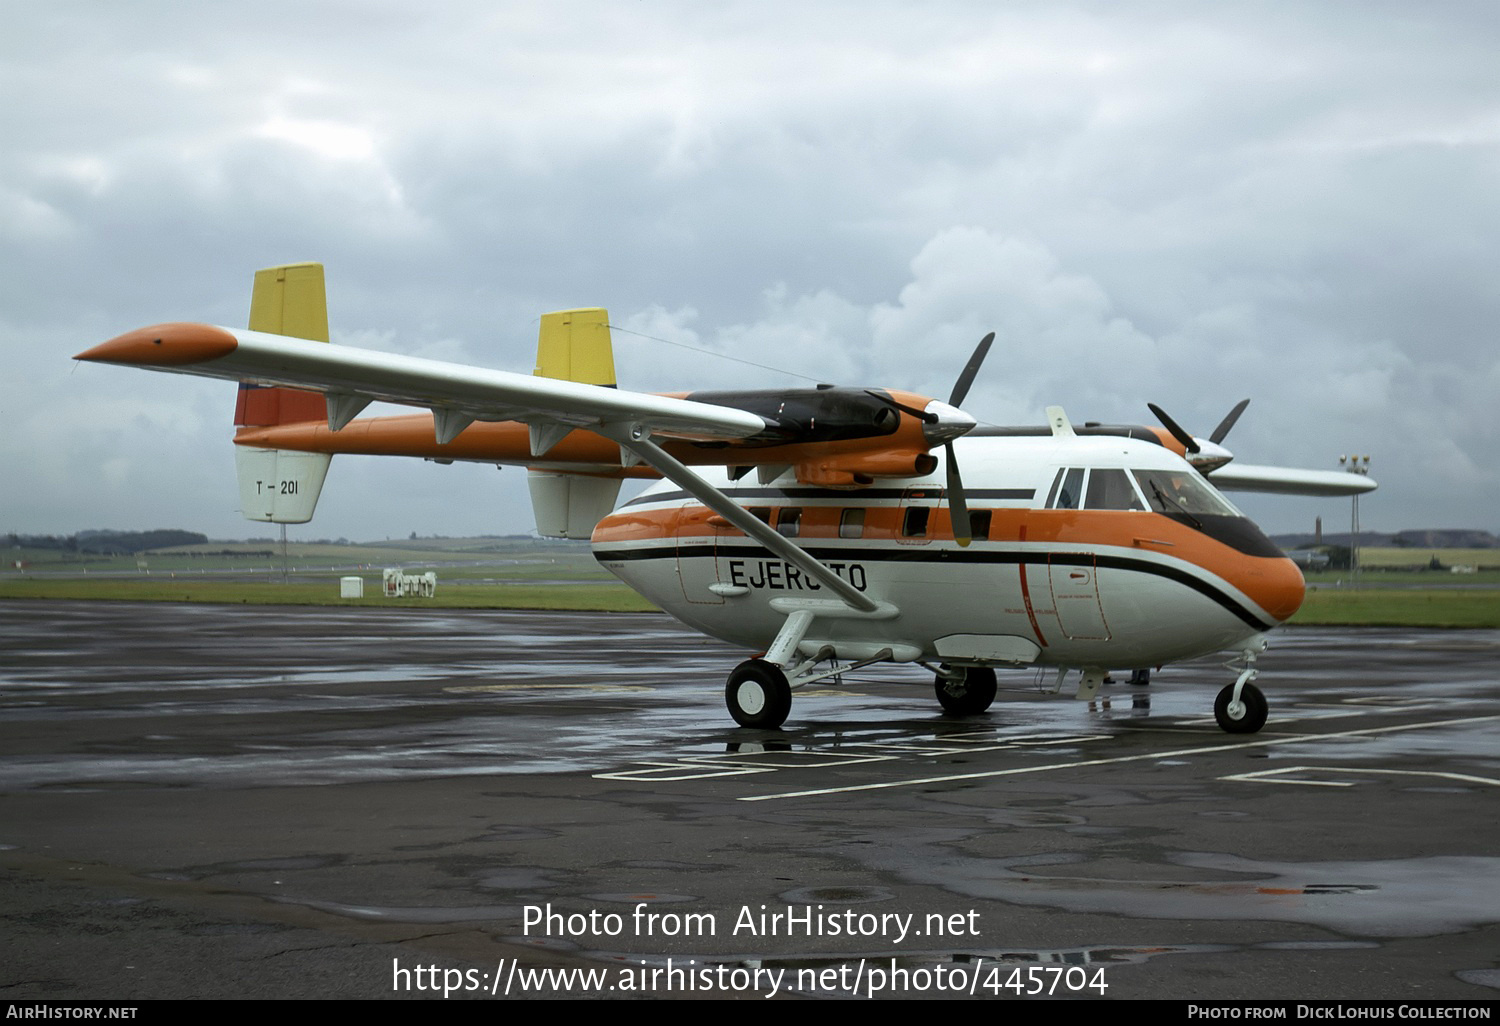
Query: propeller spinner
(1208, 455)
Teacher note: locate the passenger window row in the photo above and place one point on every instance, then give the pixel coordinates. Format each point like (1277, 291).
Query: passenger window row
(788, 521)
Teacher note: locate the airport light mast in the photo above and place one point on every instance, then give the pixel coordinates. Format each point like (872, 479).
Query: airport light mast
(1354, 465)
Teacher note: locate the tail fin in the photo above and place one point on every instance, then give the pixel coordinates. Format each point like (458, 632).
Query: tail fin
(287, 300)
(280, 485)
(573, 345)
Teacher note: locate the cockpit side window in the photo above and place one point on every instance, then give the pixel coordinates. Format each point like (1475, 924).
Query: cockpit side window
(1111, 489)
(1067, 490)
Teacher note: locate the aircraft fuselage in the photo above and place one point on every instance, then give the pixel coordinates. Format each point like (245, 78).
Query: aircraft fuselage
(1081, 558)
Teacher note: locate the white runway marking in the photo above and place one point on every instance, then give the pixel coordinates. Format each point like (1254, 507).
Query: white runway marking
(1284, 776)
(755, 759)
(1146, 757)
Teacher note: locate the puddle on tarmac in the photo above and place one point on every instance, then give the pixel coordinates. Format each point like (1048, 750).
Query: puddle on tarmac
(1480, 977)
(840, 895)
(415, 914)
(1391, 898)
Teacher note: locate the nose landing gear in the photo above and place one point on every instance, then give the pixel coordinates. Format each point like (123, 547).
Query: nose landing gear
(1240, 707)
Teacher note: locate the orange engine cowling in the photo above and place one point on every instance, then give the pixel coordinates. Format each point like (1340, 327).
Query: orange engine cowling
(850, 470)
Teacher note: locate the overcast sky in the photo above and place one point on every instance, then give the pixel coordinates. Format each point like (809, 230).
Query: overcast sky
(1177, 202)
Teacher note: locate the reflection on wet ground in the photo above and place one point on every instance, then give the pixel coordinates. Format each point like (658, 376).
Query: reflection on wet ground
(411, 782)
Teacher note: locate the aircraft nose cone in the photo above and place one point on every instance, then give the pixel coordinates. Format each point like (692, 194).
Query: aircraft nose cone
(950, 424)
(1281, 591)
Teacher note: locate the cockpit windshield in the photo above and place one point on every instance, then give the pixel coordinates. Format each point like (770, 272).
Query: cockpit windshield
(1172, 491)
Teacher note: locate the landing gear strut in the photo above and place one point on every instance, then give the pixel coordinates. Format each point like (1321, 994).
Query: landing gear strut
(758, 694)
(1240, 707)
(965, 690)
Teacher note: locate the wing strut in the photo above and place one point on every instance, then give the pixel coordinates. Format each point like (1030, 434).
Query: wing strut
(637, 440)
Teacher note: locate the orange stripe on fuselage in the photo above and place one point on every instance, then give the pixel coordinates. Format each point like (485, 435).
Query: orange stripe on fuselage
(1274, 584)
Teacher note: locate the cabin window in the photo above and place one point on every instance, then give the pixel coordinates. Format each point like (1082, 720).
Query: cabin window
(761, 513)
(979, 523)
(1067, 489)
(789, 521)
(852, 523)
(914, 525)
(1111, 489)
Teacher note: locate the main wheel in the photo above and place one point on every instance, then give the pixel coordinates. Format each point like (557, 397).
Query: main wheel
(968, 696)
(758, 695)
(1245, 716)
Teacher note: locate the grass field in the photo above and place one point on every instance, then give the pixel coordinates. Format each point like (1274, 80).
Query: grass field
(1401, 607)
(604, 596)
(523, 574)
(1413, 558)
(482, 573)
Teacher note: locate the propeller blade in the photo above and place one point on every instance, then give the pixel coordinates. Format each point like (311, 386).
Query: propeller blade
(958, 505)
(1228, 422)
(966, 379)
(1188, 441)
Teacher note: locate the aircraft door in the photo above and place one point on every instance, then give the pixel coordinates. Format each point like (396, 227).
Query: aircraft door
(699, 561)
(1075, 595)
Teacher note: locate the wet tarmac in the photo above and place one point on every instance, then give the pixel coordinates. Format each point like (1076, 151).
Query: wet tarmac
(218, 801)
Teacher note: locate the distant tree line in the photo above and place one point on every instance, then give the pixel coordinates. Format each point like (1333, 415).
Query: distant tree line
(107, 543)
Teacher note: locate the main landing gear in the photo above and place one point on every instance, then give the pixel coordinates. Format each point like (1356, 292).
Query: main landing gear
(965, 690)
(758, 694)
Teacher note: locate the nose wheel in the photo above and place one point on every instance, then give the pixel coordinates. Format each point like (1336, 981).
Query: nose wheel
(1240, 707)
(1243, 715)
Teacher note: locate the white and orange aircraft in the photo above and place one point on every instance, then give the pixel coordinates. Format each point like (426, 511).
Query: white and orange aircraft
(855, 542)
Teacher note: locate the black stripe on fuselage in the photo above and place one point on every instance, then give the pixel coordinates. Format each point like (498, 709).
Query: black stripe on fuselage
(862, 494)
(948, 556)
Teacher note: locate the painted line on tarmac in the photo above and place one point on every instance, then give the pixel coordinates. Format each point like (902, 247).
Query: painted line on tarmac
(1284, 776)
(1152, 756)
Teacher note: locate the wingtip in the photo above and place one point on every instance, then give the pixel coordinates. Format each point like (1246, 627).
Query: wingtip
(164, 345)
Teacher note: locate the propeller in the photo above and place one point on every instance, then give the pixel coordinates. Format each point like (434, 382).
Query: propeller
(1205, 456)
(1228, 422)
(1188, 441)
(958, 503)
(971, 369)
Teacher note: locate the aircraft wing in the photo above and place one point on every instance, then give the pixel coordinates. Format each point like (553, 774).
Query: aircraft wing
(1243, 477)
(457, 394)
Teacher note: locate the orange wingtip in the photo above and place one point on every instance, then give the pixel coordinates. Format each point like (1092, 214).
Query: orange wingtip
(164, 345)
